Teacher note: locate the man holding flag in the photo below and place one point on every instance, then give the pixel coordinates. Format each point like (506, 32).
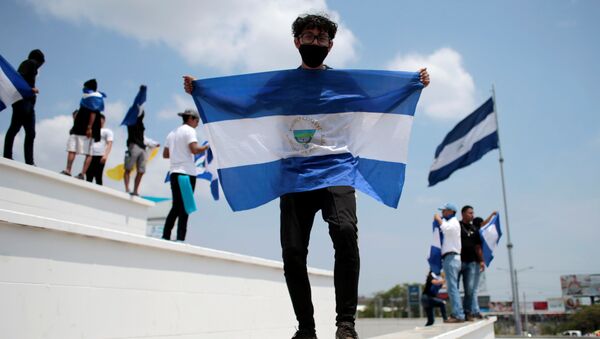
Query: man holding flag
(136, 141)
(180, 147)
(323, 181)
(23, 110)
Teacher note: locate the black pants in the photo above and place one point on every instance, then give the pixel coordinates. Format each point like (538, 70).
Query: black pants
(95, 170)
(429, 304)
(177, 210)
(23, 116)
(338, 208)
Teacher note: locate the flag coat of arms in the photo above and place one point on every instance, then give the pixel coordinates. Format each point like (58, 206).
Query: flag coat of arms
(297, 130)
(12, 85)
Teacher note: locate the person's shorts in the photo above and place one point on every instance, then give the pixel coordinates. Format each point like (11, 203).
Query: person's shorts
(137, 156)
(79, 144)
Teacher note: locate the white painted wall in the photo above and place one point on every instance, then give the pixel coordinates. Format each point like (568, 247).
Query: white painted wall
(64, 275)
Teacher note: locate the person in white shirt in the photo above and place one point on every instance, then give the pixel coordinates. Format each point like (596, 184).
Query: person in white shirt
(180, 147)
(100, 151)
(451, 263)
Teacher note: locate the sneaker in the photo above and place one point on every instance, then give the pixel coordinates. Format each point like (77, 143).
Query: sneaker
(479, 316)
(80, 176)
(469, 317)
(345, 330)
(453, 320)
(305, 334)
(65, 173)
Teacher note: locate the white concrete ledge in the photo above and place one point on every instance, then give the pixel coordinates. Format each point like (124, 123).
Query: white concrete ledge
(483, 329)
(35, 191)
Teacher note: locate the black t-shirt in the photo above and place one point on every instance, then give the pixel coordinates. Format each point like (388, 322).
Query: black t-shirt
(29, 70)
(82, 119)
(469, 237)
(430, 289)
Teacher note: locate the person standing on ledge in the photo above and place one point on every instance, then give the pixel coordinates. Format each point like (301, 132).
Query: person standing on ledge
(24, 110)
(313, 37)
(180, 147)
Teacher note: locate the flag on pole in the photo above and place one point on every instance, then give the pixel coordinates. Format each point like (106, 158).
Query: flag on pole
(490, 236)
(435, 251)
(297, 130)
(466, 143)
(136, 108)
(12, 85)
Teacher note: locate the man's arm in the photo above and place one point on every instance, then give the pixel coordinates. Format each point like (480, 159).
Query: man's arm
(88, 131)
(188, 83)
(195, 148)
(489, 218)
(106, 152)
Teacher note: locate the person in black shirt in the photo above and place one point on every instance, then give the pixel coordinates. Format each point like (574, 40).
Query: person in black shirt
(430, 300)
(85, 130)
(23, 110)
(471, 256)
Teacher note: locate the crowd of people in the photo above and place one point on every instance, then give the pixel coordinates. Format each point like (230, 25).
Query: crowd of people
(462, 258)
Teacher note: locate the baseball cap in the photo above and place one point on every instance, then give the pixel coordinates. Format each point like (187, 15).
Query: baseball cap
(448, 206)
(189, 112)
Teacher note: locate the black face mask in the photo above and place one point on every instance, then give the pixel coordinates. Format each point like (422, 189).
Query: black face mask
(313, 55)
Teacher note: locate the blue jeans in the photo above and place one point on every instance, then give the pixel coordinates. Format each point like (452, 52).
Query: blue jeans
(468, 272)
(452, 265)
(475, 305)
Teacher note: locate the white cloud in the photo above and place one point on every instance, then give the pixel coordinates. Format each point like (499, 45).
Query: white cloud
(451, 92)
(249, 35)
(180, 103)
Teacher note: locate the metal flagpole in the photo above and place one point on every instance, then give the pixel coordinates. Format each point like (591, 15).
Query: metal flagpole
(509, 245)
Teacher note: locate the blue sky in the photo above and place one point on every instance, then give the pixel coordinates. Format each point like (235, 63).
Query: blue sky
(540, 55)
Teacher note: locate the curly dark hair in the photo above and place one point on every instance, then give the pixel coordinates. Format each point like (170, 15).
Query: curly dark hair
(309, 21)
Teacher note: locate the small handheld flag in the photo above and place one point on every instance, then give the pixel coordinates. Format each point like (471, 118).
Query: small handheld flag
(12, 85)
(490, 236)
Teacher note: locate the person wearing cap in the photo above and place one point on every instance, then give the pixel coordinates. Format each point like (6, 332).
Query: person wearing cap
(180, 147)
(451, 247)
(23, 110)
(86, 127)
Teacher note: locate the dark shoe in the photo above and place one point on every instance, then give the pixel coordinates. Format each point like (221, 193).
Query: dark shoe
(428, 324)
(469, 317)
(453, 320)
(80, 176)
(65, 173)
(478, 316)
(305, 334)
(345, 330)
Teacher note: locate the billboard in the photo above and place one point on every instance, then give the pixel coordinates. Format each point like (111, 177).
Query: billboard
(580, 285)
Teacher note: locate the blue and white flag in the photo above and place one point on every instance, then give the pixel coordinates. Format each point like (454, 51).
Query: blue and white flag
(297, 130)
(490, 236)
(12, 85)
(435, 251)
(206, 170)
(136, 108)
(92, 100)
(466, 143)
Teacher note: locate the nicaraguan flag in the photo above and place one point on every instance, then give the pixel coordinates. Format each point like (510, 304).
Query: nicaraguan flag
(490, 236)
(206, 170)
(297, 130)
(136, 108)
(94, 101)
(466, 143)
(12, 85)
(435, 251)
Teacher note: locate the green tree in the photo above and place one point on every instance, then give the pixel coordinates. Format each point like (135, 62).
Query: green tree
(394, 298)
(586, 320)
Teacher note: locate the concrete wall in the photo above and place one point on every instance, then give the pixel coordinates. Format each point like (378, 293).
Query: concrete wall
(63, 274)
